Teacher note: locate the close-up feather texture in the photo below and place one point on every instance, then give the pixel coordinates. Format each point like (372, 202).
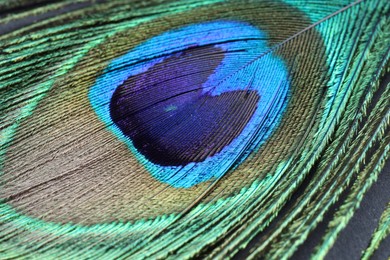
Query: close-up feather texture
(186, 129)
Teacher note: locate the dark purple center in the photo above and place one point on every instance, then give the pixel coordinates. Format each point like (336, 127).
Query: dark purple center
(168, 116)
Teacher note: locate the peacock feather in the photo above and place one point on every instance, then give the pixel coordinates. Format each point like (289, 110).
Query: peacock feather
(190, 129)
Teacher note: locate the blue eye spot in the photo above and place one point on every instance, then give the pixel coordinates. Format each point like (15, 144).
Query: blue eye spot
(194, 102)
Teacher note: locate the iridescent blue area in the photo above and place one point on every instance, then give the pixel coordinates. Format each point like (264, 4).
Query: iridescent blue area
(235, 72)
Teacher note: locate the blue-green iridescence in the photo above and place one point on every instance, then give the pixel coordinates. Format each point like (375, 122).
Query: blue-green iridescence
(194, 108)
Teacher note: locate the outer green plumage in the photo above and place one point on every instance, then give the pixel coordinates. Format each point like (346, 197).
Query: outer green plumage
(71, 188)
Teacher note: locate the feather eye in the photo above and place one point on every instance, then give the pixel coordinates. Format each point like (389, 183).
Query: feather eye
(152, 129)
(204, 103)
